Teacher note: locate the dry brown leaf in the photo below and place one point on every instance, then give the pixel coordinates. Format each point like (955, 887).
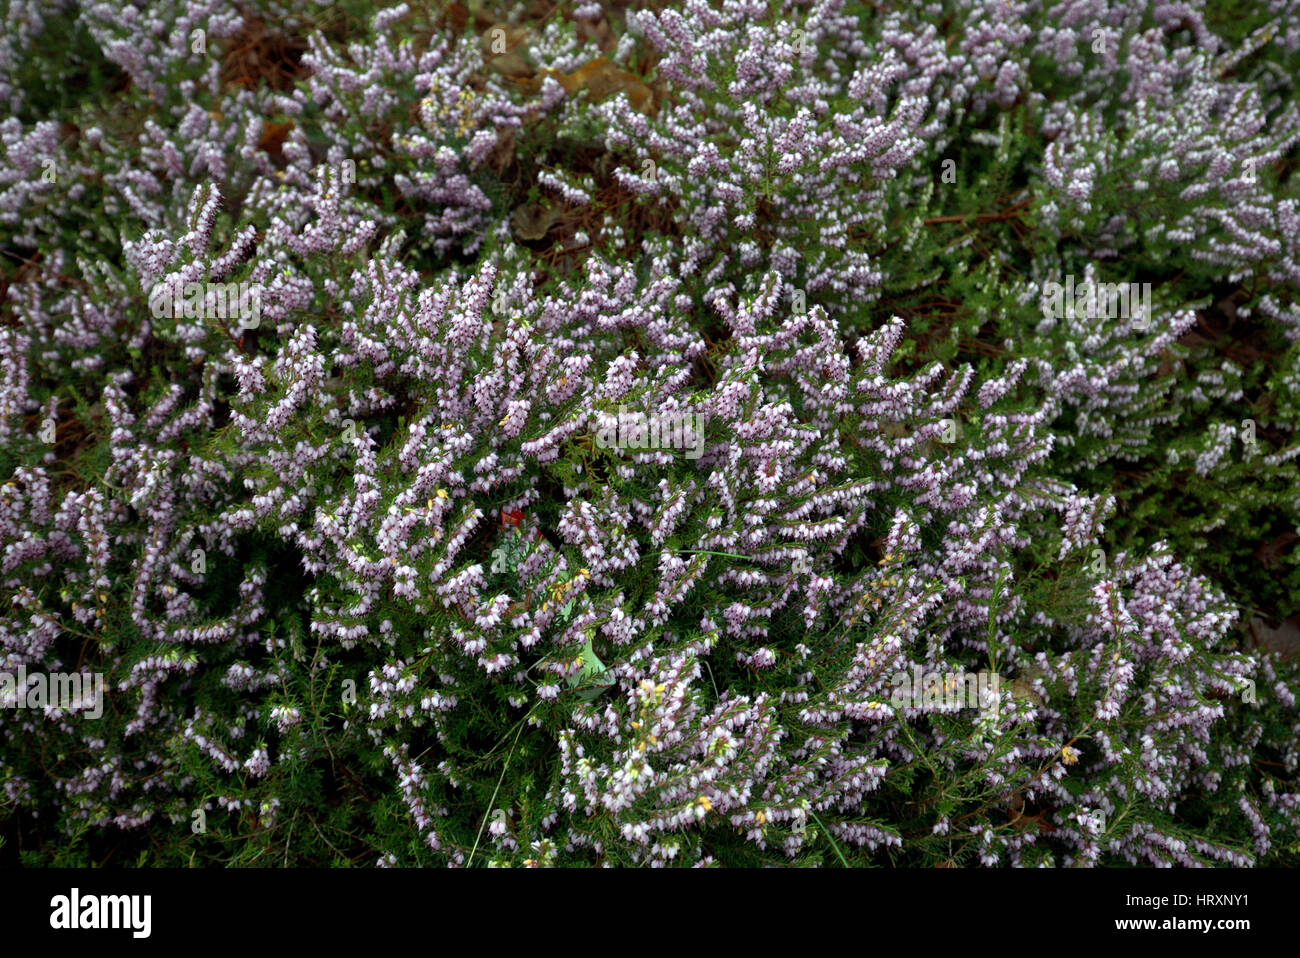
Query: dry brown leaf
(599, 33)
(601, 79)
(512, 64)
(532, 221)
(504, 151)
(1017, 817)
(1022, 689)
(273, 137)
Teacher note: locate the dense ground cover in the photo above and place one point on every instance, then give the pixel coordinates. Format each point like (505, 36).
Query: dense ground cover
(378, 575)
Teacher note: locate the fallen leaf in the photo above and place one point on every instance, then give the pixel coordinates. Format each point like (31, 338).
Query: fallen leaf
(532, 221)
(1023, 690)
(601, 79)
(598, 32)
(1020, 820)
(512, 64)
(273, 137)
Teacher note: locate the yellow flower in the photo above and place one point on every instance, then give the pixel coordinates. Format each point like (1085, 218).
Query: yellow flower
(442, 493)
(760, 818)
(1068, 755)
(704, 803)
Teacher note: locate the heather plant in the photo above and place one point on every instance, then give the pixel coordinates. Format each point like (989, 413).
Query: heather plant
(370, 585)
